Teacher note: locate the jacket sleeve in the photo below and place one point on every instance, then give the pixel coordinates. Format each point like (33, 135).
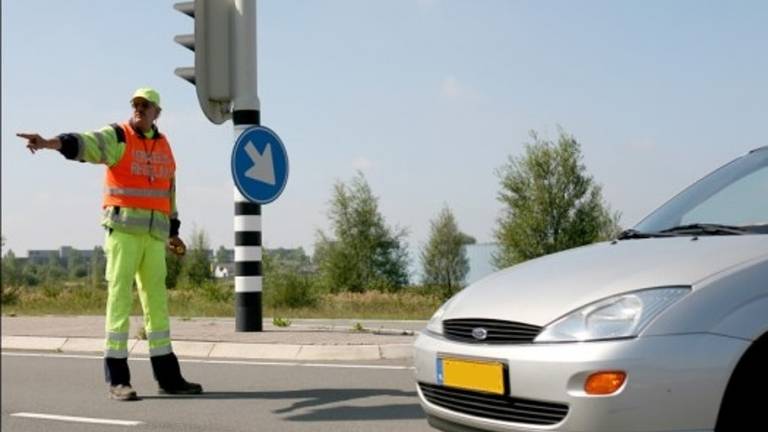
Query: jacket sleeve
(97, 147)
(175, 222)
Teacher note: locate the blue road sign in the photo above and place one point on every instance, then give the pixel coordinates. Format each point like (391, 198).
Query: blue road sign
(259, 165)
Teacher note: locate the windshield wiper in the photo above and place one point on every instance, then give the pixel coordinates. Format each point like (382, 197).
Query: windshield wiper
(635, 234)
(707, 229)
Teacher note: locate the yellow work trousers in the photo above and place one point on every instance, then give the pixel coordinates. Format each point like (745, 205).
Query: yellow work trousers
(138, 257)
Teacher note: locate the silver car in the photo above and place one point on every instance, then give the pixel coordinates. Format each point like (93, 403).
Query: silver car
(663, 329)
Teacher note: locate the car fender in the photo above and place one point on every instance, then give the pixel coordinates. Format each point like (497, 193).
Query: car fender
(733, 303)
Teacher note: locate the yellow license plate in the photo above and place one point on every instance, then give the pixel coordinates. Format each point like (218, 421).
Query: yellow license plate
(477, 375)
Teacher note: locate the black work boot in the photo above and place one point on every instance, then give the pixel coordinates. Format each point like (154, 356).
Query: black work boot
(118, 376)
(168, 375)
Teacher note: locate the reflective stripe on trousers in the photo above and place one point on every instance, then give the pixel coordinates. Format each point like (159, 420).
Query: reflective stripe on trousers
(138, 257)
(116, 345)
(159, 343)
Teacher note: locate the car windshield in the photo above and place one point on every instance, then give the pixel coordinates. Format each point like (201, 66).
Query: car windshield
(730, 201)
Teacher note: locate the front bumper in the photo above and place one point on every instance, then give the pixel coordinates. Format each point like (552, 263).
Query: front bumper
(674, 383)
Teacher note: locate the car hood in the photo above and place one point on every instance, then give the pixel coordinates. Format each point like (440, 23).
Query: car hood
(541, 290)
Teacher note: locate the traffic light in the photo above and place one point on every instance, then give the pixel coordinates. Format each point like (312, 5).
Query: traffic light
(211, 43)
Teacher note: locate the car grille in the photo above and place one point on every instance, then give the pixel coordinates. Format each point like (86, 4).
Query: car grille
(498, 332)
(494, 407)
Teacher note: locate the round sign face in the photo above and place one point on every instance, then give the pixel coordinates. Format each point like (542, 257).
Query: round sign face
(259, 165)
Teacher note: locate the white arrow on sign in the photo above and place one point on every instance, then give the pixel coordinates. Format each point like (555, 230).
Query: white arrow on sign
(263, 168)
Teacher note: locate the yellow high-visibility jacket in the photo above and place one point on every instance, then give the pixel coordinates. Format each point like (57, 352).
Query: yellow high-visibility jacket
(107, 146)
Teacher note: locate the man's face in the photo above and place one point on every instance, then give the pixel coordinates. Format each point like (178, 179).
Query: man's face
(144, 113)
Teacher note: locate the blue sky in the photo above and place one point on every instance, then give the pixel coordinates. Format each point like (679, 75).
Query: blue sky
(427, 97)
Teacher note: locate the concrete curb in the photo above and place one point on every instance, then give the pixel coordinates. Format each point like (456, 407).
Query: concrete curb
(219, 350)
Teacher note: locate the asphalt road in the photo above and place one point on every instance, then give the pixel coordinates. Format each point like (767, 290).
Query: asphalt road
(240, 396)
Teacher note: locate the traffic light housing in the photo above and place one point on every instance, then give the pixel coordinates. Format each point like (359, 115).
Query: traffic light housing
(212, 45)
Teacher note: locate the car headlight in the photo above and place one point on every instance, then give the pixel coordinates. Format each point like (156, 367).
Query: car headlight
(621, 316)
(435, 324)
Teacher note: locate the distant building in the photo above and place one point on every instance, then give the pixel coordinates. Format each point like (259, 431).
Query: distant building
(223, 263)
(42, 257)
(66, 251)
(224, 270)
(480, 256)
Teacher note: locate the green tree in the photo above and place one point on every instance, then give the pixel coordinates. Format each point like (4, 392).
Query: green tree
(286, 285)
(32, 274)
(197, 266)
(54, 271)
(174, 267)
(550, 203)
(10, 279)
(76, 267)
(11, 271)
(444, 258)
(292, 260)
(363, 253)
(223, 255)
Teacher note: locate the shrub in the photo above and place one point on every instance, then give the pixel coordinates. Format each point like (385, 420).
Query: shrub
(87, 298)
(9, 295)
(51, 291)
(281, 322)
(216, 292)
(290, 290)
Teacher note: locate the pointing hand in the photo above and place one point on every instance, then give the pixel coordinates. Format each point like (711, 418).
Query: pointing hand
(35, 142)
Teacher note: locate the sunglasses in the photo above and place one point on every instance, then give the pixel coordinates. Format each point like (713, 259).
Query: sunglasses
(143, 104)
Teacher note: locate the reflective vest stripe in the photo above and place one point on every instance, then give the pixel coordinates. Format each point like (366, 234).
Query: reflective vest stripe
(125, 219)
(143, 176)
(102, 147)
(158, 224)
(135, 192)
(162, 226)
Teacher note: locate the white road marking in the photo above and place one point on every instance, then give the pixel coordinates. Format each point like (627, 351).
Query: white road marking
(231, 362)
(77, 419)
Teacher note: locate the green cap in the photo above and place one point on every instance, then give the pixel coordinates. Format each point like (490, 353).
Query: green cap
(147, 93)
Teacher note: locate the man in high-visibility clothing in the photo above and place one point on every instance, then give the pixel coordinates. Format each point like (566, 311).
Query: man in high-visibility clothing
(139, 218)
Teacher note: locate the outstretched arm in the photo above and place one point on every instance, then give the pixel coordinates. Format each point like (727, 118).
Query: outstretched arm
(97, 147)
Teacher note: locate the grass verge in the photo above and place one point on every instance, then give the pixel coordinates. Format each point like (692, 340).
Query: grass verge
(217, 300)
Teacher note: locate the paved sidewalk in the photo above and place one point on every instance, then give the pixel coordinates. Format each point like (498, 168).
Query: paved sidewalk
(217, 338)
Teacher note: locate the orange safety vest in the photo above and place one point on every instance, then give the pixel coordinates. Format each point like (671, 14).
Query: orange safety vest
(142, 177)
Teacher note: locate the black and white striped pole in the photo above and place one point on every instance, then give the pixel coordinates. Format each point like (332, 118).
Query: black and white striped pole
(248, 282)
(248, 278)
(260, 173)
